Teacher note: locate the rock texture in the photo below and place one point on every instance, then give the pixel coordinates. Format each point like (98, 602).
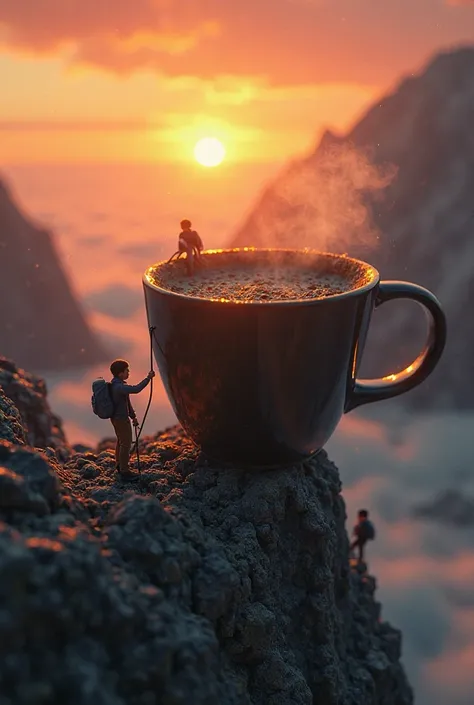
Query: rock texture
(42, 327)
(404, 173)
(11, 426)
(41, 428)
(195, 585)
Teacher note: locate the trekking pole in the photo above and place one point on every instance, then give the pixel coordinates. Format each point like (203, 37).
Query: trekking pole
(138, 453)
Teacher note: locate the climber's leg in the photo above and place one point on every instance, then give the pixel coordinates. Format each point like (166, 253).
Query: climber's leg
(190, 260)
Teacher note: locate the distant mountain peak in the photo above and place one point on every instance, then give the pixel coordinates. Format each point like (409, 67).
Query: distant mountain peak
(41, 323)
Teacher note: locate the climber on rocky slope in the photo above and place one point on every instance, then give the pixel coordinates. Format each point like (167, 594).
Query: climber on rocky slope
(363, 531)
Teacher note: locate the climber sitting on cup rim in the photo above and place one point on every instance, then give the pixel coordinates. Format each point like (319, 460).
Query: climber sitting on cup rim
(189, 243)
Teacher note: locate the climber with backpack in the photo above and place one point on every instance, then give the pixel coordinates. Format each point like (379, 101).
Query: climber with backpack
(111, 400)
(363, 531)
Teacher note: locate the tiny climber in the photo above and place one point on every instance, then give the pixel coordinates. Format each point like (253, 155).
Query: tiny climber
(363, 531)
(122, 413)
(190, 243)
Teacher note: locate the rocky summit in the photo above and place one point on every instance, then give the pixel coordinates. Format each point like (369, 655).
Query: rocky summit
(395, 190)
(194, 585)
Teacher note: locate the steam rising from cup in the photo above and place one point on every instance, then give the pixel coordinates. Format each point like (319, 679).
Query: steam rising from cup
(326, 204)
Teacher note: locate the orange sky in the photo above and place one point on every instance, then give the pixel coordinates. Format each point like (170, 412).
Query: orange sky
(115, 80)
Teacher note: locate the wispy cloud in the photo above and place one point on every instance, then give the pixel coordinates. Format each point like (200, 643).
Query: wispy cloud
(284, 41)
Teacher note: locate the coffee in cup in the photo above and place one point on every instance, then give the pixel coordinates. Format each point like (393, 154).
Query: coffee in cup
(251, 276)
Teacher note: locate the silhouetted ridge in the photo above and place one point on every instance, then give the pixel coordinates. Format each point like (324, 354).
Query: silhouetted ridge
(41, 323)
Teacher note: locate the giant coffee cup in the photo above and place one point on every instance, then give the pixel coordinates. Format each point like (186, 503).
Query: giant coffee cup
(259, 350)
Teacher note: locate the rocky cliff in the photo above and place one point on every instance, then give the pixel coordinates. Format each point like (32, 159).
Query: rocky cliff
(197, 585)
(396, 190)
(41, 323)
(27, 396)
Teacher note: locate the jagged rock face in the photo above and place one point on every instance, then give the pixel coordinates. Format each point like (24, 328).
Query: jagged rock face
(340, 196)
(11, 426)
(201, 585)
(40, 427)
(42, 326)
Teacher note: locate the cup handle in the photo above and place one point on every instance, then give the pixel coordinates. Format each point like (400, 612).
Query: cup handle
(366, 391)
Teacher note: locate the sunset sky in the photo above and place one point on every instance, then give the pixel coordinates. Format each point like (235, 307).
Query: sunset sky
(116, 80)
(91, 89)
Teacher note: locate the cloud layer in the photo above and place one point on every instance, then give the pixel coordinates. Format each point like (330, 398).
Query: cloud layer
(285, 41)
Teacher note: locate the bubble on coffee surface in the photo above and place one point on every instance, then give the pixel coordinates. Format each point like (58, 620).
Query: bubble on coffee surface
(254, 276)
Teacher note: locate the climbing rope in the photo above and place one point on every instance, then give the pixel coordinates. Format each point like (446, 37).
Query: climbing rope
(174, 255)
(199, 259)
(138, 432)
(151, 330)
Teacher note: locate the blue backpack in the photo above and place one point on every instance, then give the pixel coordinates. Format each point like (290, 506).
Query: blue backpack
(369, 530)
(102, 402)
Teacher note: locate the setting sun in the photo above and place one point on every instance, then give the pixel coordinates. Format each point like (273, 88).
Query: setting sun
(209, 151)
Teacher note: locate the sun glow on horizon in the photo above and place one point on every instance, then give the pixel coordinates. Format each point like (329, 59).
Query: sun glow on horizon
(209, 152)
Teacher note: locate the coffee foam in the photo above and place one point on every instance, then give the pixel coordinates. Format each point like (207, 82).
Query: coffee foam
(246, 276)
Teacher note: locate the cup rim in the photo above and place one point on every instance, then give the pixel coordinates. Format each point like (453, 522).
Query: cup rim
(268, 304)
